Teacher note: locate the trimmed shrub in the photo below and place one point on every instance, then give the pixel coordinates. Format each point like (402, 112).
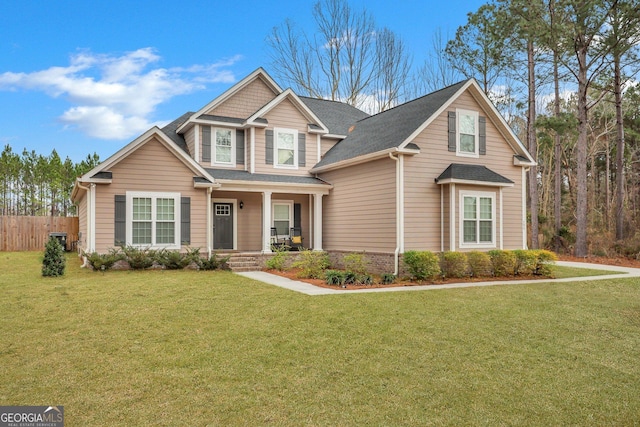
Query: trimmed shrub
(479, 264)
(526, 261)
(356, 263)
(103, 262)
(544, 260)
(214, 262)
(138, 259)
(54, 261)
(454, 264)
(312, 264)
(278, 261)
(504, 262)
(422, 265)
(387, 278)
(171, 260)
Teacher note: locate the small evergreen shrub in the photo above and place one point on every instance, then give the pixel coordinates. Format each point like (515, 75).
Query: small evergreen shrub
(350, 278)
(364, 279)
(214, 262)
(422, 265)
(479, 264)
(387, 278)
(171, 260)
(138, 259)
(312, 264)
(504, 262)
(103, 262)
(54, 261)
(544, 260)
(356, 263)
(334, 277)
(526, 261)
(278, 261)
(454, 264)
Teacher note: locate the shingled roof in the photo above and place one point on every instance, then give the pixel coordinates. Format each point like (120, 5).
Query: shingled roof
(390, 128)
(170, 131)
(338, 117)
(459, 172)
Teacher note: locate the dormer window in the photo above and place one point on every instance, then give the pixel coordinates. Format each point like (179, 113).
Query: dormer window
(467, 136)
(224, 149)
(286, 147)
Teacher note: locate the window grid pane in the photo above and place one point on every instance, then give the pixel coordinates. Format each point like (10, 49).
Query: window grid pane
(485, 208)
(141, 233)
(486, 231)
(165, 209)
(141, 209)
(469, 208)
(467, 143)
(469, 232)
(165, 232)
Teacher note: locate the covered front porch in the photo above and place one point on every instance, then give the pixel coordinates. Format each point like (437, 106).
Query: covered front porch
(250, 216)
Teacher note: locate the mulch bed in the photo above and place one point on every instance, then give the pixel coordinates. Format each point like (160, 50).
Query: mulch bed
(293, 275)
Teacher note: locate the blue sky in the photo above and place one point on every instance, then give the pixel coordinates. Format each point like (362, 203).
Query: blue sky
(84, 77)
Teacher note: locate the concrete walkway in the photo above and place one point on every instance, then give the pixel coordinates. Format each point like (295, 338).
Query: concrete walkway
(308, 289)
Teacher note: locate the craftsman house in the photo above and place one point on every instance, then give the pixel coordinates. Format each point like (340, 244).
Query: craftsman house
(260, 165)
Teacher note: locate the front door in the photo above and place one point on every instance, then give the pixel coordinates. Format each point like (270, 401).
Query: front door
(223, 226)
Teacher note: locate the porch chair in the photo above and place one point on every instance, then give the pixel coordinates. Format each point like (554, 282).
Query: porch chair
(276, 243)
(295, 238)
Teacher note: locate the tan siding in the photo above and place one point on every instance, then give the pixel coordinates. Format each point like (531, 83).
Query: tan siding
(422, 195)
(359, 213)
(150, 168)
(245, 102)
(82, 222)
(189, 138)
(326, 144)
(286, 115)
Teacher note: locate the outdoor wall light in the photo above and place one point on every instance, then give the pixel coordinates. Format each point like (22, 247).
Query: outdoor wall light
(241, 204)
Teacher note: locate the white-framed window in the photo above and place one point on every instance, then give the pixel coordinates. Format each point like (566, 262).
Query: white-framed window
(153, 219)
(467, 133)
(285, 148)
(282, 217)
(224, 147)
(477, 219)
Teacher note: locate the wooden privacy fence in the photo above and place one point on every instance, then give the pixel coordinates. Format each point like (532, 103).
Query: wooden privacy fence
(30, 233)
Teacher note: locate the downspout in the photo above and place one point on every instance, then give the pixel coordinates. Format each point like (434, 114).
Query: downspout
(87, 189)
(209, 225)
(524, 207)
(396, 253)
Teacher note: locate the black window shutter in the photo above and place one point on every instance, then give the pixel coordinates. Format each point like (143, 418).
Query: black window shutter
(185, 220)
(302, 149)
(240, 146)
(268, 139)
(120, 223)
(297, 215)
(452, 131)
(482, 135)
(206, 143)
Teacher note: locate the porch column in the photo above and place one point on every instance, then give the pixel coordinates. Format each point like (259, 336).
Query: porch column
(317, 222)
(266, 222)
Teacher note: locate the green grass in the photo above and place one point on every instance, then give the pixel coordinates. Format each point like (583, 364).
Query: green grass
(562, 272)
(212, 348)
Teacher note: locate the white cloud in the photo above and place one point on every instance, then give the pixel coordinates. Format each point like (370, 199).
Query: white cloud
(114, 97)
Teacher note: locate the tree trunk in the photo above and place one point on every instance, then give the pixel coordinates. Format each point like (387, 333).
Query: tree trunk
(580, 249)
(620, 146)
(533, 147)
(557, 148)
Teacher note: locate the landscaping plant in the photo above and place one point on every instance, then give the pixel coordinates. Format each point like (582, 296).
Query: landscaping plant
(454, 264)
(54, 261)
(422, 265)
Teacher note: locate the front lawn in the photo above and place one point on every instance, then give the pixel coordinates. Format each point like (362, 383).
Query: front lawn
(213, 348)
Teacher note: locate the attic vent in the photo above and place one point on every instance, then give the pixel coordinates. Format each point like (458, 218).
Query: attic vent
(352, 128)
